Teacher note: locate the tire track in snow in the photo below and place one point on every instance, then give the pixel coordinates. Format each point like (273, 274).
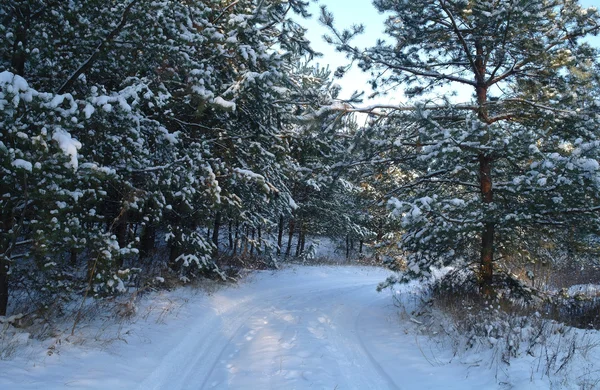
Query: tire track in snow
(304, 298)
(208, 338)
(368, 353)
(195, 345)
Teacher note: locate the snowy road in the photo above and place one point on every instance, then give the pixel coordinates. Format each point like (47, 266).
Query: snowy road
(302, 333)
(298, 328)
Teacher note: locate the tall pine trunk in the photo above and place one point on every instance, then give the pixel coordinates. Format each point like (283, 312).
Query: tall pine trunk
(487, 235)
(485, 177)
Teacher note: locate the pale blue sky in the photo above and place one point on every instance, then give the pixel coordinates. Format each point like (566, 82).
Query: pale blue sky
(348, 12)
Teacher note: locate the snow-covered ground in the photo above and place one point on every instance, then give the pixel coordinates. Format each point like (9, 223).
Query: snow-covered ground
(298, 328)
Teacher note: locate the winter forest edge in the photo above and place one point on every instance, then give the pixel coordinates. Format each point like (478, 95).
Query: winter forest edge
(150, 140)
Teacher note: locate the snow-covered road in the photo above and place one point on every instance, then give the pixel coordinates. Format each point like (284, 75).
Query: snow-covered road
(302, 333)
(298, 328)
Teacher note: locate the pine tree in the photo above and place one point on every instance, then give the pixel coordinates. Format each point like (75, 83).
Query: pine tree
(475, 179)
(139, 121)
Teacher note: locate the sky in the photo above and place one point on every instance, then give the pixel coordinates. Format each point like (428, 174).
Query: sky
(349, 12)
(346, 13)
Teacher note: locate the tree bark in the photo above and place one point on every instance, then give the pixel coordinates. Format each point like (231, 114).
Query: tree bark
(147, 241)
(73, 257)
(19, 56)
(245, 239)
(290, 237)
(487, 235)
(3, 287)
(174, 253)
(259, 229)
(121, 233)
(379, 237)
(215, 235)
(237, 235)
(299, 243)
(280, 235)
(347, 246)
(303, 239)
(230, 234)
(485, 176)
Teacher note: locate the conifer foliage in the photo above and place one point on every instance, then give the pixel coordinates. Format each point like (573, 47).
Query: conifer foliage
(485, 180)
(128, 127)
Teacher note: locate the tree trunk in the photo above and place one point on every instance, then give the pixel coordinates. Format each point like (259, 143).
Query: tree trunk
(121, 233)
(259, 229)
(215, 236)
(19, 56)
(487, 235)
(360, 247)
(379, 237)
(347, 247)
(481, 86)
(380, 230)
(280, 235)
(3, 287)
(174, 253)
(230, 234)
(245, 239)
(485, 176)
(303, 239)
(237, 237)
(147, 241)
(290, 237)
(252, 242)
(299, 243)
(73, 257)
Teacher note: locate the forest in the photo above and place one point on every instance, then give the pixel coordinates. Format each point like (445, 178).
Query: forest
(150, 140)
